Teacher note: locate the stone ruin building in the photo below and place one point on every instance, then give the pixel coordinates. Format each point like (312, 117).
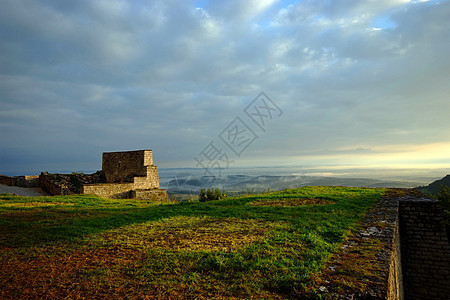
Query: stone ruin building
(128, 174)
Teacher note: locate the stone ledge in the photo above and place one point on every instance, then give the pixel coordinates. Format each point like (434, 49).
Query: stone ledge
(376, 247)
(158, 195)
(109, 190)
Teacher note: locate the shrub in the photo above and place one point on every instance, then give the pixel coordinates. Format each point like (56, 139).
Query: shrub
(211, 194)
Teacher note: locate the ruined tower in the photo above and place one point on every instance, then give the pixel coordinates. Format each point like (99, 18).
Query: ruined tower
(128, 174)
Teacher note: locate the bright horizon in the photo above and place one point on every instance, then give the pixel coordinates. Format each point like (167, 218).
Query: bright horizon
(332, 85)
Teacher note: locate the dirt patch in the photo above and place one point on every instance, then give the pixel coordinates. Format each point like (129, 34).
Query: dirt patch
(190, 233)
(290, 202)
(21, 191)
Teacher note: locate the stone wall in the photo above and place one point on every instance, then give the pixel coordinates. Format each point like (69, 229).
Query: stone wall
(109, 190)
(425, 249)
(120, 167)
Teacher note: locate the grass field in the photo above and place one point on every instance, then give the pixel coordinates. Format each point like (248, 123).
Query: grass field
(266, 246)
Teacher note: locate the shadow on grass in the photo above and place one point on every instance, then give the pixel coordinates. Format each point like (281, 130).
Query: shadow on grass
(25, 227)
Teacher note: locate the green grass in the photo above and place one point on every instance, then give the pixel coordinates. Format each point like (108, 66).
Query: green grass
(258, 246)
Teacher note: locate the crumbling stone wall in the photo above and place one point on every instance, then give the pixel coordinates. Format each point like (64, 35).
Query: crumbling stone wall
(27, 181)
(425, 249)
(66, 184)
(22, 181)
(53, 187)
(7, 180)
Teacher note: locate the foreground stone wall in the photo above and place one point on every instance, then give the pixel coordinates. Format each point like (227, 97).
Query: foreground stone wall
(425, 249)
(414, 262)
(419, 259)
(374, 249)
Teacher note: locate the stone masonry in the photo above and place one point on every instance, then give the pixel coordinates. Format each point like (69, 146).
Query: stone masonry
(131, 166)
(425, 250)
(128, 174)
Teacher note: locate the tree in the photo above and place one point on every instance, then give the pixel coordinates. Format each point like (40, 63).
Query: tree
(202, 196)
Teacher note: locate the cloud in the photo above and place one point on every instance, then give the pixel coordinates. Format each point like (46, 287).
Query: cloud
(79, 78)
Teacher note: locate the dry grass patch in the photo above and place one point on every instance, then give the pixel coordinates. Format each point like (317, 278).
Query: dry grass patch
(51, 272)
(288, 202)
(190, 233)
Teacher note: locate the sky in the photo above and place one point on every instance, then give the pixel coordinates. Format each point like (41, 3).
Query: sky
(220, 84)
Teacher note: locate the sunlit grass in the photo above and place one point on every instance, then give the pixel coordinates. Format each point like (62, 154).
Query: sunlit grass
(289, 202)
(189, 233)
(84, 246)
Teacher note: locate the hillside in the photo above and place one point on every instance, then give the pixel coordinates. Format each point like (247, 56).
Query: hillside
(435, 186)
